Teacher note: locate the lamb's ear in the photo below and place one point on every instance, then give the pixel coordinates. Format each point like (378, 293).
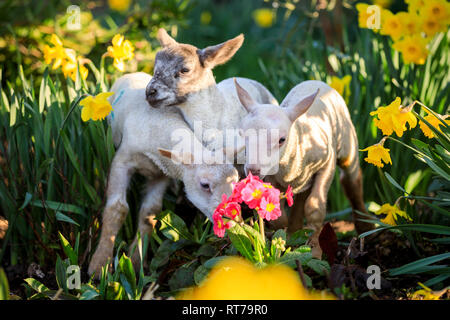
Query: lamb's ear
(184, 158)
(301, 107)
(164, 39)
(220, 53)
(244, 97)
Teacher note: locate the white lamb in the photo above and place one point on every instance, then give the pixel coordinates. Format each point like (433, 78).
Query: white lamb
(312, 133)
(143, 136)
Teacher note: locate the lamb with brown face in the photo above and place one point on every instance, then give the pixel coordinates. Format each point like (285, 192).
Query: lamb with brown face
(181, 69)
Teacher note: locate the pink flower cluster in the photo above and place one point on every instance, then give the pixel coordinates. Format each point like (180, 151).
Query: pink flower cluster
(257, 194)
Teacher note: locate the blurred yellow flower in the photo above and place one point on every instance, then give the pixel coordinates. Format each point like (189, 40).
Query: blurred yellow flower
(392, 25)
(341, 85)
(435, 122)
(119, 5)
(437, 9)
(264, 17)
(64, 58)
(383, 3)
(205, 17)
(411, 23)
(391, 213)
(235, 278)
(376, 153)
(426, 293)
(415, 5)
(120, 51)
(431, 25)
(363, 15)
(56, 54)
(393, 118)
(413, 49)
(69, 67)
(96, 108)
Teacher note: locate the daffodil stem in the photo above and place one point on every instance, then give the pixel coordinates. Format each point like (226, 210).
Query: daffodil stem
(429, 111)
(404, 144)
(261, 228)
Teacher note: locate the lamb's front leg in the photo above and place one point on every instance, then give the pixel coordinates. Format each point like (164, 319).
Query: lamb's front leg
(115, 210)
(315, 205)
(298, 212)
(150, 207)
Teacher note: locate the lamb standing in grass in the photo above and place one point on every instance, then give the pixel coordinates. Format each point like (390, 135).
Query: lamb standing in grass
(143, 135)
(183, 78)
(314, 132)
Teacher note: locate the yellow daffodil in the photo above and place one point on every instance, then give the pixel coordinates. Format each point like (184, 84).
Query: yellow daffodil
(119, 5)
(96, 108)
(237, 279)
(391, 213)
(120, 51)
(426, 293)
(69, 67)
(363, 15)
(437, 9)
(435, 122)
(205, 17)
(393, 118)
(378, 153)
(392, 25)
(411, 23)
(56, 53)
(413, 49)
(341, 85)
(431, 25)
(264, 17)
(415, 5)
(383, 3)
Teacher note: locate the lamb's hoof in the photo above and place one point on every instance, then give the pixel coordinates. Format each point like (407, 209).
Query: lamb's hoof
(316, 252)
(98, 261)
(313, 242)
(278, 224)
(136, 260)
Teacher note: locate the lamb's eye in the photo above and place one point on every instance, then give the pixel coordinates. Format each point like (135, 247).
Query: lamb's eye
(205, 186)
(184, 70)
(281, 141)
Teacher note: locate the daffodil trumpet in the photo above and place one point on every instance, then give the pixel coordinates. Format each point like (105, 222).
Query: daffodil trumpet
(440, 117)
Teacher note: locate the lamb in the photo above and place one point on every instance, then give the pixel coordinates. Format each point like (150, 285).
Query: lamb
(144, 137)
(309, 133)
(183, 78)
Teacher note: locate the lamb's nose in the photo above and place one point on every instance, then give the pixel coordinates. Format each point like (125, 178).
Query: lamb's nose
(151, 92)
(254, 171)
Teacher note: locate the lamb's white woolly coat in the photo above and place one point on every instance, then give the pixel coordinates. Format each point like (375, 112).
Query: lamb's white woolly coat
(142, 129)
(217, 107)
(323, 133)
